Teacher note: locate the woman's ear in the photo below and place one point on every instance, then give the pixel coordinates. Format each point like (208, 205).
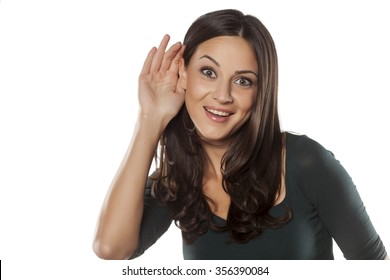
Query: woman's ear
(182, 81)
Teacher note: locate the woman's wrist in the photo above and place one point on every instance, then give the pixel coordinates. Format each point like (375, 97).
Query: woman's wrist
(151, 123)
(150, 127)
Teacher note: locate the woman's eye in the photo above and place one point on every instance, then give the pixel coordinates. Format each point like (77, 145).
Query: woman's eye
(208, 72)
(243, 82)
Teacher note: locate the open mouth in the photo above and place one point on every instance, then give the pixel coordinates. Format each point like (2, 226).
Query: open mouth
(218, 113)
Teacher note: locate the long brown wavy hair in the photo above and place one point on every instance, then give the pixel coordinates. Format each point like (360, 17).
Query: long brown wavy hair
(252, 165)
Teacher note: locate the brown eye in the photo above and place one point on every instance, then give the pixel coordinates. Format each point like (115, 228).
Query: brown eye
(242, 81)
(208, 72)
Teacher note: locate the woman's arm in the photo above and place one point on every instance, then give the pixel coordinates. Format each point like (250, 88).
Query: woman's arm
(121, 214)
(338, 203)
(119, 223)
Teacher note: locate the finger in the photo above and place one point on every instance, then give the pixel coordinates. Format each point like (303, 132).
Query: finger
(148, 61)
(169, 57)
(174, 66)
(158, 57)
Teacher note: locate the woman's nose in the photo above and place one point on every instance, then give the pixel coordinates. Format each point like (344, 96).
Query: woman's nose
(223, 94)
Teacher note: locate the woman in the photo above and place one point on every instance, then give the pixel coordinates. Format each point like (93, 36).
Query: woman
(234, 183)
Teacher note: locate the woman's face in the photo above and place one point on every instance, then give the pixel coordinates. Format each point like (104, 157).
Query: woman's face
(221, 85)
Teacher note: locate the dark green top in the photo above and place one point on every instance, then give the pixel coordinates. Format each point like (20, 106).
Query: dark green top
(324, 203)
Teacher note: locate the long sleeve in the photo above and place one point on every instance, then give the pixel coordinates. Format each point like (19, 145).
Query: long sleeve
(155, 222)
(331, 190)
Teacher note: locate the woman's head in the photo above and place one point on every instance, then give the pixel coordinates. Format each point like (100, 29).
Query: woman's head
(257, 53)
(221, 86)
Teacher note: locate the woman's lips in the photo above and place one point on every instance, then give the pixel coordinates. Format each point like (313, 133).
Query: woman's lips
(217, 114)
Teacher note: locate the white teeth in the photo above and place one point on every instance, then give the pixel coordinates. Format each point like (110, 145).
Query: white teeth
(218, 113)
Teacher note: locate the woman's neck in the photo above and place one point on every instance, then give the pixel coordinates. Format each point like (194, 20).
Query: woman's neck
(214, 158)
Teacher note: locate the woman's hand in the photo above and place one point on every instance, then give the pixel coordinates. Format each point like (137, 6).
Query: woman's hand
(159, 94)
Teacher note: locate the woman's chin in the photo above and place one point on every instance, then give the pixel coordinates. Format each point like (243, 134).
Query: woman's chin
(215, 138)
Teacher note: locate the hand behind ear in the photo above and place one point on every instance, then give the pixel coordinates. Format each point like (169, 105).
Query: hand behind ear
(160, 90)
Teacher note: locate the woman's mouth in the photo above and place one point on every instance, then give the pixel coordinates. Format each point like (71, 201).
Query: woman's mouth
(217, 115)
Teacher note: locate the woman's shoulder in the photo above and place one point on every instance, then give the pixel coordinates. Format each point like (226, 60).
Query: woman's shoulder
(296, 142)
(305, 151)
(314, 168)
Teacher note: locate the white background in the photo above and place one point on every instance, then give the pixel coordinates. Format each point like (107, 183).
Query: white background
(68, 102)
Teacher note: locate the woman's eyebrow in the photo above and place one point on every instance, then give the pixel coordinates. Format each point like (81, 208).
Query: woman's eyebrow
(246, 72)
(210, 58)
